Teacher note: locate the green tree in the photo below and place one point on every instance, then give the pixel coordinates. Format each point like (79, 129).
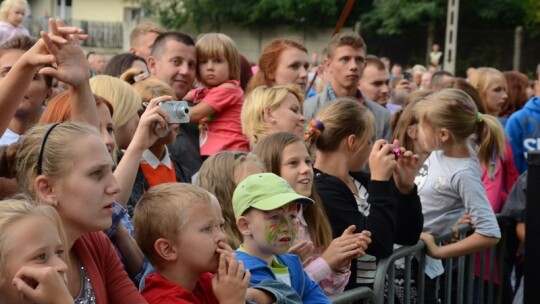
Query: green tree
(269, 13)
(172, 14)
(260, 14)
(392, 17)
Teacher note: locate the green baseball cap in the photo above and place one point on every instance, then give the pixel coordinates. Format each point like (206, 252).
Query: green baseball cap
(265, 191)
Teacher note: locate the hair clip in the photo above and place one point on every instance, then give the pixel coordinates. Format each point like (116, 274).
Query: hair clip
(315, 128)
(468, 106)
(141, 76)
(479, 117)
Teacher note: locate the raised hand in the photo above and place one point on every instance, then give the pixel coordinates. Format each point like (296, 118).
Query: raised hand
(405, 171)
(381, 160)
(71, 64)
(145, 136)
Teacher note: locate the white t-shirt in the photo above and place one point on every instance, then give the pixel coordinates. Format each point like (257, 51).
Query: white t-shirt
(8, 138)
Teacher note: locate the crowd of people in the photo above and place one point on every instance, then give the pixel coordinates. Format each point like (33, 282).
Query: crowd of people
(176, 173)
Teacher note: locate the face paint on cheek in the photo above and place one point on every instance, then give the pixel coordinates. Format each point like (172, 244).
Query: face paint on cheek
(270, 232)
(292, 225)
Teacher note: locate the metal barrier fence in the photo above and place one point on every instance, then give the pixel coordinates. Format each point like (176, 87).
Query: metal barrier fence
(460, 284)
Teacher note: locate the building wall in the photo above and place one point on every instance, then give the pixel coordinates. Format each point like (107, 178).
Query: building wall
(252, 42)
(38, 7)
(100, 10)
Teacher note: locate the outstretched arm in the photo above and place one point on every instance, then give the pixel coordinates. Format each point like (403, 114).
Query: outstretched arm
(19, 77)
(72, 68)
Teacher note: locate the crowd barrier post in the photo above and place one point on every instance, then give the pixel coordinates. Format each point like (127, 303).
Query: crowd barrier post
(532, 231)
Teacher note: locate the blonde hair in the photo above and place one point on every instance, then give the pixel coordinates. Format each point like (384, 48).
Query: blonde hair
(455, 111)
(148, 88)
(125, 100)
(16, 209)
(8, 4)
(142, 29)
(20, 159)
(217, 176)
(270, 151)
(161, 213)
(483, 78)
(262, 97)
(217, 45)
(342, 118)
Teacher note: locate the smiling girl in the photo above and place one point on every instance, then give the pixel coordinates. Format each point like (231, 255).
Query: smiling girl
(325, 260)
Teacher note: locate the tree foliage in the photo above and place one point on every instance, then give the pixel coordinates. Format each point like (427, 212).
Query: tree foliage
(174, 14)
(390, 17)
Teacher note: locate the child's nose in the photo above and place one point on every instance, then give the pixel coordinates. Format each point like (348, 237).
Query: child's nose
(60, 266)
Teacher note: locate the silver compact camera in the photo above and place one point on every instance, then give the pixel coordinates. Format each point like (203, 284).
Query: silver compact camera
(178, 111)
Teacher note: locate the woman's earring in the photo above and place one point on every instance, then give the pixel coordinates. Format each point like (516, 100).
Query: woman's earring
(273, 121)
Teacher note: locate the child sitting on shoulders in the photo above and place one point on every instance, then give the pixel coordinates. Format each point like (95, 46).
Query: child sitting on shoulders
(219, 103)
(12, 13)
(266, 209)
(179, 228)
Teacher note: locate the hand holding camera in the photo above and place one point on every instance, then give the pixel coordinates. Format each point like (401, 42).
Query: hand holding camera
(177, 112)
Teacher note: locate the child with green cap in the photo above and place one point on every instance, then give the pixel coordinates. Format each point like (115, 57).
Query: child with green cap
(266, 209)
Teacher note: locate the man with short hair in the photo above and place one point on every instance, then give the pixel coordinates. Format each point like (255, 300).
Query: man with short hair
(374, 83)
(142, 37)
(97, 62)
(439, 78)
(396, 71)
(173, 60)
(344, 65)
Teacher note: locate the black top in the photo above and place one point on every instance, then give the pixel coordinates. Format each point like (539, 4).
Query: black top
(393, 217)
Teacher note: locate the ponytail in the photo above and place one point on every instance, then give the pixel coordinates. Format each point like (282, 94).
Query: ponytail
(490, 140)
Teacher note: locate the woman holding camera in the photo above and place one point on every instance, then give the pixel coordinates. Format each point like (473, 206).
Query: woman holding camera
(156, 166)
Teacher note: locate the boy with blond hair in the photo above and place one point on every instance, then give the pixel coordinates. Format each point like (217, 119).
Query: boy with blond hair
(179, 228)
(142, 37)
(266, 209)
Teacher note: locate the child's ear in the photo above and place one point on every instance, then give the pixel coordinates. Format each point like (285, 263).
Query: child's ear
(165, 249)
(412, 132)
(445, 135)
(351, 142)
(243, 226)
(45, 191)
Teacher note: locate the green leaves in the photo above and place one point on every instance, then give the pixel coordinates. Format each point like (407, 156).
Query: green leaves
(389, 17)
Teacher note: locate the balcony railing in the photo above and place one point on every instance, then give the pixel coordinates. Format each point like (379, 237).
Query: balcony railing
(108, 35)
